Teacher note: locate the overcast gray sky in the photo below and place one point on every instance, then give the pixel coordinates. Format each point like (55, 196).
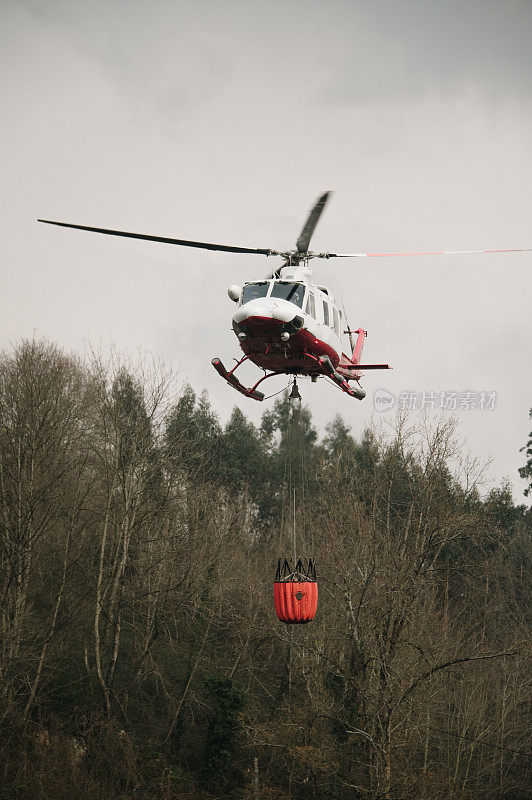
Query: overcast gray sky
(223, 121)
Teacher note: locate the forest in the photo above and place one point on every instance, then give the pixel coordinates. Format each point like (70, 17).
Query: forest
(140, 653)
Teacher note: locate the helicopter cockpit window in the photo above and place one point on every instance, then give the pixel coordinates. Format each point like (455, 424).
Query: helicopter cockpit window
(253, 290)
(294, 292)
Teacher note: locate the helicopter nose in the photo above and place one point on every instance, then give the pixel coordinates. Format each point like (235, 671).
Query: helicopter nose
(266, 310)
(257, 321)
(258, 311)
(266, 322)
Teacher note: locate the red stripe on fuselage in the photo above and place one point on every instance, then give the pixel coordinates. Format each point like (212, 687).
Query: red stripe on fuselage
(266, 349)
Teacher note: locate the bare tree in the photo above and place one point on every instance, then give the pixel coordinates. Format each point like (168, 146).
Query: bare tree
(44, 401)
(129, 411)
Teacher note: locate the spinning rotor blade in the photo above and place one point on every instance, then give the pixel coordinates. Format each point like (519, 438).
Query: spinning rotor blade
(166, 240)
(429, 253)
(312, 220)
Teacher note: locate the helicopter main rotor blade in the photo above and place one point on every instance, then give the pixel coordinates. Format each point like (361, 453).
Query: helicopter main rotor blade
(428, 253)
(166, 240)
(312, 220)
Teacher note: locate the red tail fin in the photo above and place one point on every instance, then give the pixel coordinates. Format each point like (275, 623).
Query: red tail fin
(359, 345)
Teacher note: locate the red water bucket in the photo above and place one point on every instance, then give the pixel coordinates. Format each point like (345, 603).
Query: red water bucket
(295, 592)
(295, 601)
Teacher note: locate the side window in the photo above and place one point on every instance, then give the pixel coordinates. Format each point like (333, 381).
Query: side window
(311, 306)
(336, 321)
(325, 312)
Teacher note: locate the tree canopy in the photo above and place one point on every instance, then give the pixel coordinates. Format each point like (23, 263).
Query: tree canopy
(140, 655)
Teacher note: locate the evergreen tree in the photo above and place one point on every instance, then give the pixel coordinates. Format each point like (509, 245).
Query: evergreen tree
(338, 440)
(243, 454)
(290, 438)
(292, 459)
(193, 437)
(500, 508)
(132, 423)
(355, 460)
(526, 471)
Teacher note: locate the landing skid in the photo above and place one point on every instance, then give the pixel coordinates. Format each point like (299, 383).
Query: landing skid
(331, 373)
(233, 381)
(324, 363)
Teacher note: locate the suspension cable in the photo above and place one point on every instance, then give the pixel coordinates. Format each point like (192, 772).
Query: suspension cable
(294, 528)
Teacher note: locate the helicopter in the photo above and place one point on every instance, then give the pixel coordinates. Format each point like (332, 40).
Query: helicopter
(287, 323)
